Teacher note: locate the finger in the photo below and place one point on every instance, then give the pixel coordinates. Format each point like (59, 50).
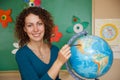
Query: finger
(67, 53)
(65, 46)
(68, 56)
(67, 49)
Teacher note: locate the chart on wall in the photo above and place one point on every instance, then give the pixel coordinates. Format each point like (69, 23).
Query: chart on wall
(109, 30)
(70, 17)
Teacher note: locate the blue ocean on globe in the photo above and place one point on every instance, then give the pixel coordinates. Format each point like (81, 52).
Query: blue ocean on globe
(92, 58)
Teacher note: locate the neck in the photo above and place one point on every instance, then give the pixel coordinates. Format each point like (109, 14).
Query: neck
(36, 45)
(40, 49)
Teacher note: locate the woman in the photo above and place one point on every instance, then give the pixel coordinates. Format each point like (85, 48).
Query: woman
(37, 58)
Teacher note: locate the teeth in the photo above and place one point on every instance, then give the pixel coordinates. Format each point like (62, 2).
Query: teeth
(35, 35)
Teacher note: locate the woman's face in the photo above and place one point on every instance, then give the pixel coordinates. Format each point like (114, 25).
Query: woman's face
(34, 27)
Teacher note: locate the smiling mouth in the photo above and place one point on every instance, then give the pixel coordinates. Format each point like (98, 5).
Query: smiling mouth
(36, 35)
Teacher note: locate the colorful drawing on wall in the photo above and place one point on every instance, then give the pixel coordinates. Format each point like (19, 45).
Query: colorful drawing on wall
(109, 30)
(15, 44)
(32, 3)
(5, 17)
(77, 25)
(56, 36)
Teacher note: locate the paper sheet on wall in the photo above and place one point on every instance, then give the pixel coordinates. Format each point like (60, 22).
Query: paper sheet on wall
(109, 30)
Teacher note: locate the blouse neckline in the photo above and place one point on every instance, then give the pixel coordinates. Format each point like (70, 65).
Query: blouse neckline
(39, 58)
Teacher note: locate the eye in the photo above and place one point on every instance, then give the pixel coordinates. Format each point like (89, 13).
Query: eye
(39, 23)
(28, 25)
(77, 28)
(31, 4)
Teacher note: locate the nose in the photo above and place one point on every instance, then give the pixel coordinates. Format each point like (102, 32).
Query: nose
(36, 28)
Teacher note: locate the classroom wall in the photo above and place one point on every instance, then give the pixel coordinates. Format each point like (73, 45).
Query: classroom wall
(108, 9)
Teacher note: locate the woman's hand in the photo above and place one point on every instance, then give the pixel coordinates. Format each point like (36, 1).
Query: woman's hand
(64, 54)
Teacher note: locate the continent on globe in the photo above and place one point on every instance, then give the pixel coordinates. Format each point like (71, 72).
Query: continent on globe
(101, 61)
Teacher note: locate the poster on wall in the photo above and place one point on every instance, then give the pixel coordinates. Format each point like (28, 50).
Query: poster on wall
(109, 30)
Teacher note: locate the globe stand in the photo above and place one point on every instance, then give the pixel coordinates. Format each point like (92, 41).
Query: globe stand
(76, 77)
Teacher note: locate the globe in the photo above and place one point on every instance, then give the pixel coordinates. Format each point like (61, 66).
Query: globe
(91, 56)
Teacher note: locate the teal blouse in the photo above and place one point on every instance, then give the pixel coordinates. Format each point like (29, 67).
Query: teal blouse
(31, 67)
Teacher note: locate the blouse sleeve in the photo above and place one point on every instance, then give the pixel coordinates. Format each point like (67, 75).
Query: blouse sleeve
(26, 70)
